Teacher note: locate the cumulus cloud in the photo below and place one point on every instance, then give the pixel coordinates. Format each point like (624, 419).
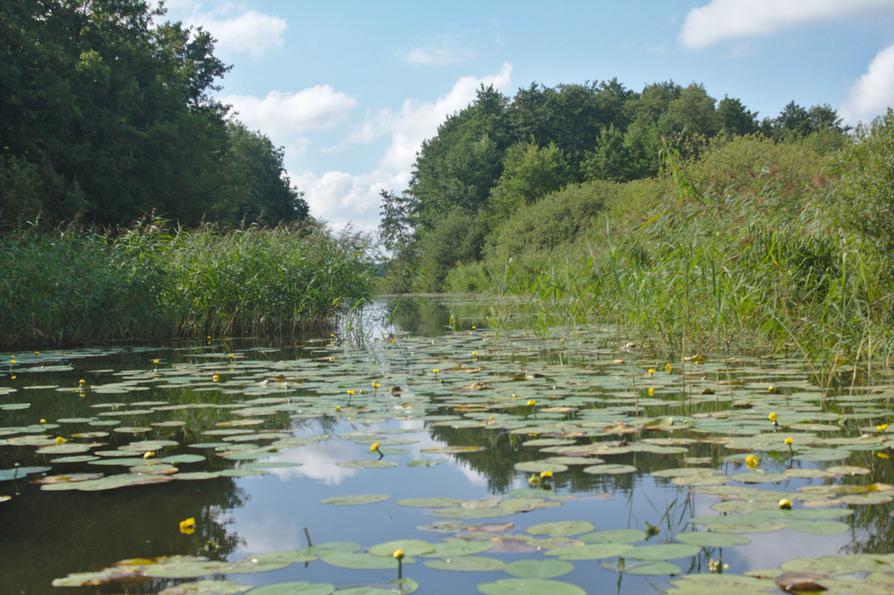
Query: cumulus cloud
(238, 30)
(873, 92)
(341, 197)
(444, 52)
(720, 20)
(251, 32)
(289, 117)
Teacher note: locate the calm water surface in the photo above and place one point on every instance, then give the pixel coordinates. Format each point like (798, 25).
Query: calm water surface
(291, 426)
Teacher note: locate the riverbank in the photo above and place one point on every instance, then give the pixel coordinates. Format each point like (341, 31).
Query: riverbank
(74, 287)
(780, 246)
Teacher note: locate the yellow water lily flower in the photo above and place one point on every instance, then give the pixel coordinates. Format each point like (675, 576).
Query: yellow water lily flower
(785, 504)
(231, 356)
(82, 382)
(651, 391)
(60, 440)
(188, 526)
(882, 455)
(668, 367)
(772, 389)
(531, 402)
(789, 441)
(650, 372)
(374, 447)
(436, 371)
(772, 416)
(43, 420)
(12, 359)
(752, 461)
(533, 480)
(546, 475)
(155, 361)
(338, 407)
(149, 454)
(215, 378)
(376, 385)
(474, 355)
(881, 427)
(398, 554)
(351, 392)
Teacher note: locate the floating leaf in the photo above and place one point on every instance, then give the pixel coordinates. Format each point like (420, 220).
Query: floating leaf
(467, 564)
(539, 568)
(355, 499)
(529, 586)
(561, 528)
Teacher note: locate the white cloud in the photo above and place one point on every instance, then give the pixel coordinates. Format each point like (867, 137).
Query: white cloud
(340, 197)
(444, 52)
(720, 20)
(289, 117)
(873, 92)
(251, 32)
(238, 30)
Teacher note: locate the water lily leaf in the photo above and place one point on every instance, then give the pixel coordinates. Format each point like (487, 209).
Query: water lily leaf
(592, 551)
(430, 502)
(453, 548)
(529, 586)
(711, 584)
(206, 587)
(614, 536)
(361, 561)
(608, 469)
(355, 499)
(540, 467)
(704, 539)
(539, 568)
(367, 464)
(664, 551)
(399, 587)
(467, 564)
(561, 528)
(411, 547)
(657, 568)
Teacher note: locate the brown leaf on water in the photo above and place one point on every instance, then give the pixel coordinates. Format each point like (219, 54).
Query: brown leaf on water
(800, 582)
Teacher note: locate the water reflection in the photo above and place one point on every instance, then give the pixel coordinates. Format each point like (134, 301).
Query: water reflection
(50, 534)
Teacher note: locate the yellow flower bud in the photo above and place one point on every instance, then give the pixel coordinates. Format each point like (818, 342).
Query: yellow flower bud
(752, 461)
(60, 440)
(374, 447)
(398, 554)
(531, 402)
(772, 416)
(651, 391)
(789, 441)
(188, 526)
(785, 504)
(215, 378)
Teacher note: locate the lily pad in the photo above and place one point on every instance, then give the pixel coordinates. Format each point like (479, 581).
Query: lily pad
(467, 564)
(356, 499)
(529, 586)
(563, 528)
(539, 568)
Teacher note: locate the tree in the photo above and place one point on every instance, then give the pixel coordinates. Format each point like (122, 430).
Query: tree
(735, 118)
(259, 187)
(529, 172)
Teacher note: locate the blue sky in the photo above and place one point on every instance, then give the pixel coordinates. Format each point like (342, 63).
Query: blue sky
(351, 88)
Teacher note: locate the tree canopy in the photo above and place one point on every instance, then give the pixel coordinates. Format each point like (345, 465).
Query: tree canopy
(500, 154)
(107, 113)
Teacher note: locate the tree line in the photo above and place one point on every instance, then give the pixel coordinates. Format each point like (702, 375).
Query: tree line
(107, 113)
(499, 154)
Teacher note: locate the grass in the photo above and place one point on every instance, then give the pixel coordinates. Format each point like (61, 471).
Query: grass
(742, 251)
(73, 287)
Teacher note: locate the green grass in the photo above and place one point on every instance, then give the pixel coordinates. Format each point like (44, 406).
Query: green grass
(744, 250)
(80, 287)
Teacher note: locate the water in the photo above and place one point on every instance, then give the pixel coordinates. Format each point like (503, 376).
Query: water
(289, 418)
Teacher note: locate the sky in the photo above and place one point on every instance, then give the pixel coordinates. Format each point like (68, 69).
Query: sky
(350, 89)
